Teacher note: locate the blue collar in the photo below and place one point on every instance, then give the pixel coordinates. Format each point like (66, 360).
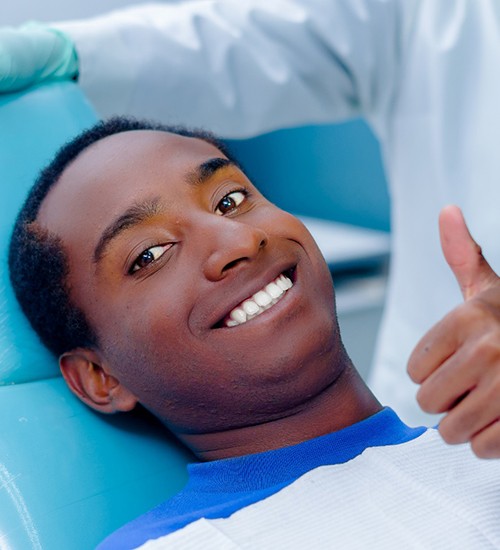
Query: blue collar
(282, 465)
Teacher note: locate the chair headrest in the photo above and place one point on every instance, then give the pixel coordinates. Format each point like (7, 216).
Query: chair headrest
(33, 125)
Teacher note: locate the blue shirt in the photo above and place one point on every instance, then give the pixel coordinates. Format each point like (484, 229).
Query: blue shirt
(219, 488)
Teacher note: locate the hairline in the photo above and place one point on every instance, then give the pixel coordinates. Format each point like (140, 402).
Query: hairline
(69, 326)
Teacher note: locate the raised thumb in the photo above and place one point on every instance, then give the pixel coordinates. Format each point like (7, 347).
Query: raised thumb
(463, 254)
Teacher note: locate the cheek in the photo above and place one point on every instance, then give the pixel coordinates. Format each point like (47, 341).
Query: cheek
(192, 384)
(284, 225)
(147, 362)
(154, 353)
(137, 326)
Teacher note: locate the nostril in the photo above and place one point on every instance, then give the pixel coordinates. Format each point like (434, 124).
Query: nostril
(238, 244)
(232, 264)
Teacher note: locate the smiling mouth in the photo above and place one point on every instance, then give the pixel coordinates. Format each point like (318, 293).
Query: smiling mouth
(261, 301)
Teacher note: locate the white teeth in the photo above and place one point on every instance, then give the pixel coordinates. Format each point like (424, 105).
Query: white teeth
(238, 315)
(281, 283)
(262, 298)
(259, 302)
(274, 290)
(250, 307)
(285, 280)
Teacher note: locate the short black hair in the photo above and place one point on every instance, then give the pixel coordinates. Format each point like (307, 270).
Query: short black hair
(38, 264)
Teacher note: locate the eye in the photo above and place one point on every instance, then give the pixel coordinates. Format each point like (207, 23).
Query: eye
(231, 201)
(148, 256)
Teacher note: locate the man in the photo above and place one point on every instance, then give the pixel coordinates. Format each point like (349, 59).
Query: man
(424, 74)
(159, 274)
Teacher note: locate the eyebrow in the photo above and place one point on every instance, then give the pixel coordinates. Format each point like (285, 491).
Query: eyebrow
(136, 214)
(139, 213)
(206, 170)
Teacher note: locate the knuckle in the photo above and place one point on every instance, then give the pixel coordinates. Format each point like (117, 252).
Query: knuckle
(464, 313)
(485, 447)
(492, 388)
(482, 310)
(495, 385)
(487, 348)
(426, 400)
(417, 366)
(448, 436)
(413, 370)
(450, 432)
(422, 399)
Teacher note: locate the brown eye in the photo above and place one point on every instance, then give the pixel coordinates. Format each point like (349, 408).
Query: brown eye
(230, 202)
(148, 256)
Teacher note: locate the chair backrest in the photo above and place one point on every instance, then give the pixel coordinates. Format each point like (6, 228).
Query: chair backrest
(32, 127)
(68, 477)
(333, 172)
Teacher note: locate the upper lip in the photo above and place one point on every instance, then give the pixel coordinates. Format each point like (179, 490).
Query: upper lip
(241, 291)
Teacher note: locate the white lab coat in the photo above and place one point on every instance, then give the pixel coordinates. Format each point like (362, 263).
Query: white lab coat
(425, 74)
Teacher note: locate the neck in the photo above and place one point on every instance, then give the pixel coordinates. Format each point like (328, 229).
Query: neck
(343, 403)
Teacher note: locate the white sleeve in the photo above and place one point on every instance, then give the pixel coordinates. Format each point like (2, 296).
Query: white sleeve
(242, 67)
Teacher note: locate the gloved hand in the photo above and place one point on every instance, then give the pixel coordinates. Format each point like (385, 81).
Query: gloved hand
(35, 53)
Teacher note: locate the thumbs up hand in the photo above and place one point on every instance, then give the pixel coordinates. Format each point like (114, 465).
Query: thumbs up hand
(457, 363)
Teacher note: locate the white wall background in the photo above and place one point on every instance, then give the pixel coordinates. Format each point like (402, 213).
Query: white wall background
(15, 12)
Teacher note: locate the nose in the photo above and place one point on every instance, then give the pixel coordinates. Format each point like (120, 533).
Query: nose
(231, 244)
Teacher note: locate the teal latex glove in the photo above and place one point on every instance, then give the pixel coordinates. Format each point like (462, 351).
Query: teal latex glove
(35, 53)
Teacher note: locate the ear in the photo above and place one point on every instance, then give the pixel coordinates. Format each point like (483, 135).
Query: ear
(88, 378)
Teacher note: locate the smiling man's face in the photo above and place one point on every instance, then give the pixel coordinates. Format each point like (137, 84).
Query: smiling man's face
(213, 307)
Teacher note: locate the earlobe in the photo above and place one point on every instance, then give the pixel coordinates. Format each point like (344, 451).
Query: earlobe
(90, 381)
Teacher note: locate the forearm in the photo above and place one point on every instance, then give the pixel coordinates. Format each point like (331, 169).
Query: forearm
(240, 68)
(33, 54)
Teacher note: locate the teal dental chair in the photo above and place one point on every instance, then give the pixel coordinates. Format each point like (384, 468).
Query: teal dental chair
(68, 477)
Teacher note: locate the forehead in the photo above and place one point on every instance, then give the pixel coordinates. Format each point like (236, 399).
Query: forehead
(106, 176)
